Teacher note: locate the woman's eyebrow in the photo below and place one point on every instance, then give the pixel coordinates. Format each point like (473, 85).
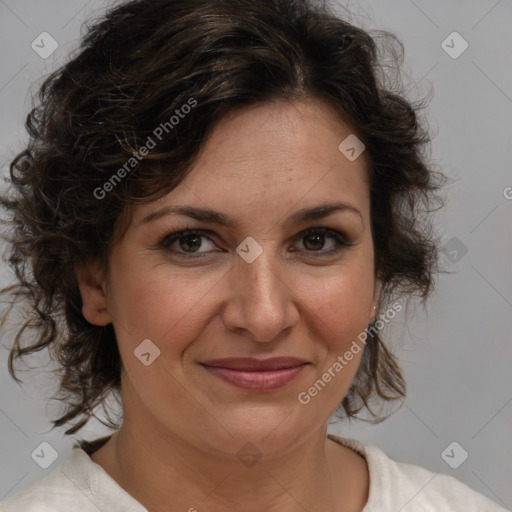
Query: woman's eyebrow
(214, 217)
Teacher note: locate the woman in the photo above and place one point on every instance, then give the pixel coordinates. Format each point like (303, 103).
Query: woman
(218, 203)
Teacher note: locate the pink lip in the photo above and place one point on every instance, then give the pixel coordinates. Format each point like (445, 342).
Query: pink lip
(256, 374)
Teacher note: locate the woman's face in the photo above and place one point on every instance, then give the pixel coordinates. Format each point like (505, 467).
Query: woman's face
(265, 286)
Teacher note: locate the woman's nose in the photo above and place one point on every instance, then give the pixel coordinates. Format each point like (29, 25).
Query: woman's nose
(261, 302)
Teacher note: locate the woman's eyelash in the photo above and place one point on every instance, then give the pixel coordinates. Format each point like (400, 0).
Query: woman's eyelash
(339, 238)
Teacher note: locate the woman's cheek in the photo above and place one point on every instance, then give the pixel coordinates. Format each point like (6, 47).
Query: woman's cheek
(345, 301)
(148, 300)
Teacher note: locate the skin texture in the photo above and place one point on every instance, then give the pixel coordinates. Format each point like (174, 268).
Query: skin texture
(183, 427)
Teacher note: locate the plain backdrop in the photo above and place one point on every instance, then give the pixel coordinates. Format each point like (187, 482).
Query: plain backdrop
(457, 354)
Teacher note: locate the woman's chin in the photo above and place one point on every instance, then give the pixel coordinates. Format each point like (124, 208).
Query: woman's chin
(266, 431)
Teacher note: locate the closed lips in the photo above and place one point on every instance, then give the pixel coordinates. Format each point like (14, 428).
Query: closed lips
(253, 365)
(256, 374)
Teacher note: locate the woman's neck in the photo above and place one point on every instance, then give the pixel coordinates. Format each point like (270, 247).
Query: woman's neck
(159, 472)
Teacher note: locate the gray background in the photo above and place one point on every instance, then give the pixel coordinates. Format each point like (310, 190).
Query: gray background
(456, 355)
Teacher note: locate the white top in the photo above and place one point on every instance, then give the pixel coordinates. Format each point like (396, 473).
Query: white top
(78, 483)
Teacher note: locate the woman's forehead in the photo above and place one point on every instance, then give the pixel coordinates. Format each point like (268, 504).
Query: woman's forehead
(309, 125)
(278, 156)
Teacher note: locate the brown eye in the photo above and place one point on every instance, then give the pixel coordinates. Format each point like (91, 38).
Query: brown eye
(315, 239)
(190, 243)
(187, 242)
(314, 242)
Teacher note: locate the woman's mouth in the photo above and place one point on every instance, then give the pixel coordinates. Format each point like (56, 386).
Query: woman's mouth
(256, 374)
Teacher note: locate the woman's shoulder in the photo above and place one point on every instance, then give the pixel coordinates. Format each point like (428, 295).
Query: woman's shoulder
(80, 484)
(77, 483)
(396, 485)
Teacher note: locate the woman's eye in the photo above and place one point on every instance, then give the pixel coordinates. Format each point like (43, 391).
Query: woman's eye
(314, 240)
(188, 243)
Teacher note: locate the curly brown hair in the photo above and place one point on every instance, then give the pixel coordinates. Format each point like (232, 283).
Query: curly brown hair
(136, 68)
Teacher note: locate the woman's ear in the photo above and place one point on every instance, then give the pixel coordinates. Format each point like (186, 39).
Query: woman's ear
(376, 300)
(93, 291)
